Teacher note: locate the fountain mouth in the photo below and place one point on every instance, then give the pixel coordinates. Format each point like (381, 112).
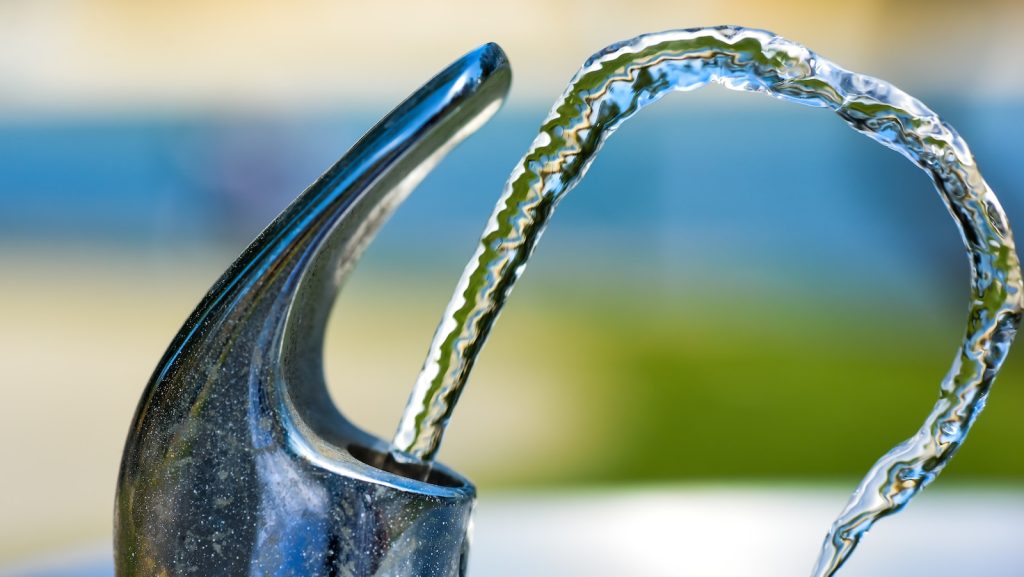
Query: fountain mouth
(412, 471)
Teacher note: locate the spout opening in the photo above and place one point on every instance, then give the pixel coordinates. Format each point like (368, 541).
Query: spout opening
(421, 472)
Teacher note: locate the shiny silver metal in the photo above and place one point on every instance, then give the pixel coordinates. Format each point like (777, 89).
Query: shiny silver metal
(237, 462)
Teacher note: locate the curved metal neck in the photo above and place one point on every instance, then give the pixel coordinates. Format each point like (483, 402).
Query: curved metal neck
(238, 462)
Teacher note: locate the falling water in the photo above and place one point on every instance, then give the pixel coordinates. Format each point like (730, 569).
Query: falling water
(620, 80)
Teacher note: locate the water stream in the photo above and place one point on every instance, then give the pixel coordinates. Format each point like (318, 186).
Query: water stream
(615, 84)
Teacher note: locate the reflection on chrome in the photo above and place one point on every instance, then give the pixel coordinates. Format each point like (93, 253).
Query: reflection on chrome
(237, 462)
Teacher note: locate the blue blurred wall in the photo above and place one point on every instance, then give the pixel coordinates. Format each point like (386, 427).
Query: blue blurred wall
(760, 187)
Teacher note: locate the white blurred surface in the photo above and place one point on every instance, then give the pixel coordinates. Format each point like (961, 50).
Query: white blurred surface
(706, 532)
(235, 55)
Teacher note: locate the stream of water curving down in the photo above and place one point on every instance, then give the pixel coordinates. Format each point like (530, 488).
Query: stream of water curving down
(615, 84)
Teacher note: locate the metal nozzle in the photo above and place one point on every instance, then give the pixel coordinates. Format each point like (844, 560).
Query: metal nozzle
(237, 462)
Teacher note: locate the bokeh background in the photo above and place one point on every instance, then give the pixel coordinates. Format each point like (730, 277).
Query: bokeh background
(741, 292)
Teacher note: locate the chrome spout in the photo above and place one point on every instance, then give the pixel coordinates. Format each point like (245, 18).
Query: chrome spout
(237, 462)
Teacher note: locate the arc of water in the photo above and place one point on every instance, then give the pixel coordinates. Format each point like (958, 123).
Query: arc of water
(622, 79)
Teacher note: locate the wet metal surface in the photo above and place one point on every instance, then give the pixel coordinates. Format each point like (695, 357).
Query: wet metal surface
(237, 462)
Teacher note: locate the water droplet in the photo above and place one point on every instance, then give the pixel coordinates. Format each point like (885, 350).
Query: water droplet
(909, 475)
(950, 428)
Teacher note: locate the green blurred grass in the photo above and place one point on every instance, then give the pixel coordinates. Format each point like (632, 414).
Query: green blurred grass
(587, 380)
(713, 386)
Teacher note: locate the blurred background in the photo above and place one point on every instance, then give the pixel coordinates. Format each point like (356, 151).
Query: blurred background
(742, 292)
